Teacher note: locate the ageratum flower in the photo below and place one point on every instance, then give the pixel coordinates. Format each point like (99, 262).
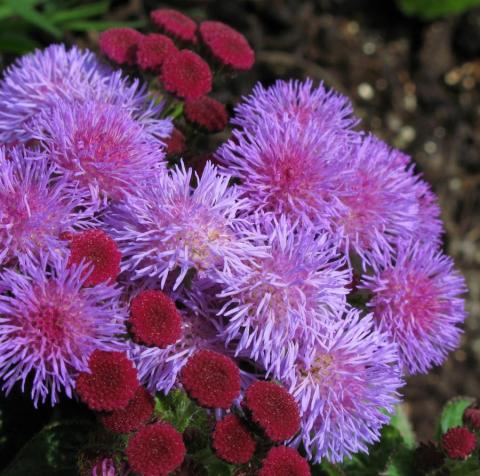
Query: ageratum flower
(285, 295)
(416, 301)
(429, 225)
(37, 208)
(227, 45)
(99, 146)
(39, 80)
(109, 383)
(284, 461)
(120, 45)
(211, 379)
(171, 226)
(159, 369)
(50, 325)
(133, 416)
(233, 441)
(155, 450)
(287, 167)
(296, 101)
(343, 387)
(175, 23)
(379, 200)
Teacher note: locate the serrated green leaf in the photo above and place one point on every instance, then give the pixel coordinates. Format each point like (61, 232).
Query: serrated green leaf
(180, 411)
(100, 25)
(452, 413)
(52, 452)
(401, 422)
(80, 13)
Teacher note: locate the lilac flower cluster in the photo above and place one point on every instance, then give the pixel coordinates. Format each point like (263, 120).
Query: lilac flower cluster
(260, 254)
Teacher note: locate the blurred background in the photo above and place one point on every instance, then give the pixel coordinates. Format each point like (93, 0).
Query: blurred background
(411, 68)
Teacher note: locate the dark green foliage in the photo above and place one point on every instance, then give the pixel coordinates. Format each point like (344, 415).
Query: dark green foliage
(431, 9)
(52, 452)
(27, 24)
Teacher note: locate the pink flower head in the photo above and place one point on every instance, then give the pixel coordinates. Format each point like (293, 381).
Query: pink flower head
(416, 301)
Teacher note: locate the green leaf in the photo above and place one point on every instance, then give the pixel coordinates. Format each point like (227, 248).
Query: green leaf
(469, 467)
(431, 9)
(219, 468)
(378, 455)
(180, 411)
(25, 10)
(327, 469)
(52, 452)
(452, 413)
(85, 25)
(80, 13)
(400, 464)
(5, 12)
(401, 422)
(16, 43)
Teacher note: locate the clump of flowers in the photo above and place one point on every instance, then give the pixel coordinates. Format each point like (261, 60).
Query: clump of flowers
(256, 306)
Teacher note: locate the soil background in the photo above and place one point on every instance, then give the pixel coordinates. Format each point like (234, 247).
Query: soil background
(414, 84)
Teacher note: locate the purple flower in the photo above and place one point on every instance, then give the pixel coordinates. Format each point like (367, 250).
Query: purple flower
(379, 199)
(284, 296)
(170, 227)
(343, 387)
(99, 146)
(287, 167)
(288, 149)
(50, 325)
(296, 101)
(39, 80)
(36, 208)
(429, 227)
(416, 301)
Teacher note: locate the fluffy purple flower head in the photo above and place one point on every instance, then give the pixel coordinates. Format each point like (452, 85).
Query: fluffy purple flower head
(99, 146)
(429, 227)
(379, 201)
(343, 387)
(285, 296)
(416, 301)
(286, 168)
(171, 226)
(39, 80)
(296, 101)
(36, 208)
(50, 325)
